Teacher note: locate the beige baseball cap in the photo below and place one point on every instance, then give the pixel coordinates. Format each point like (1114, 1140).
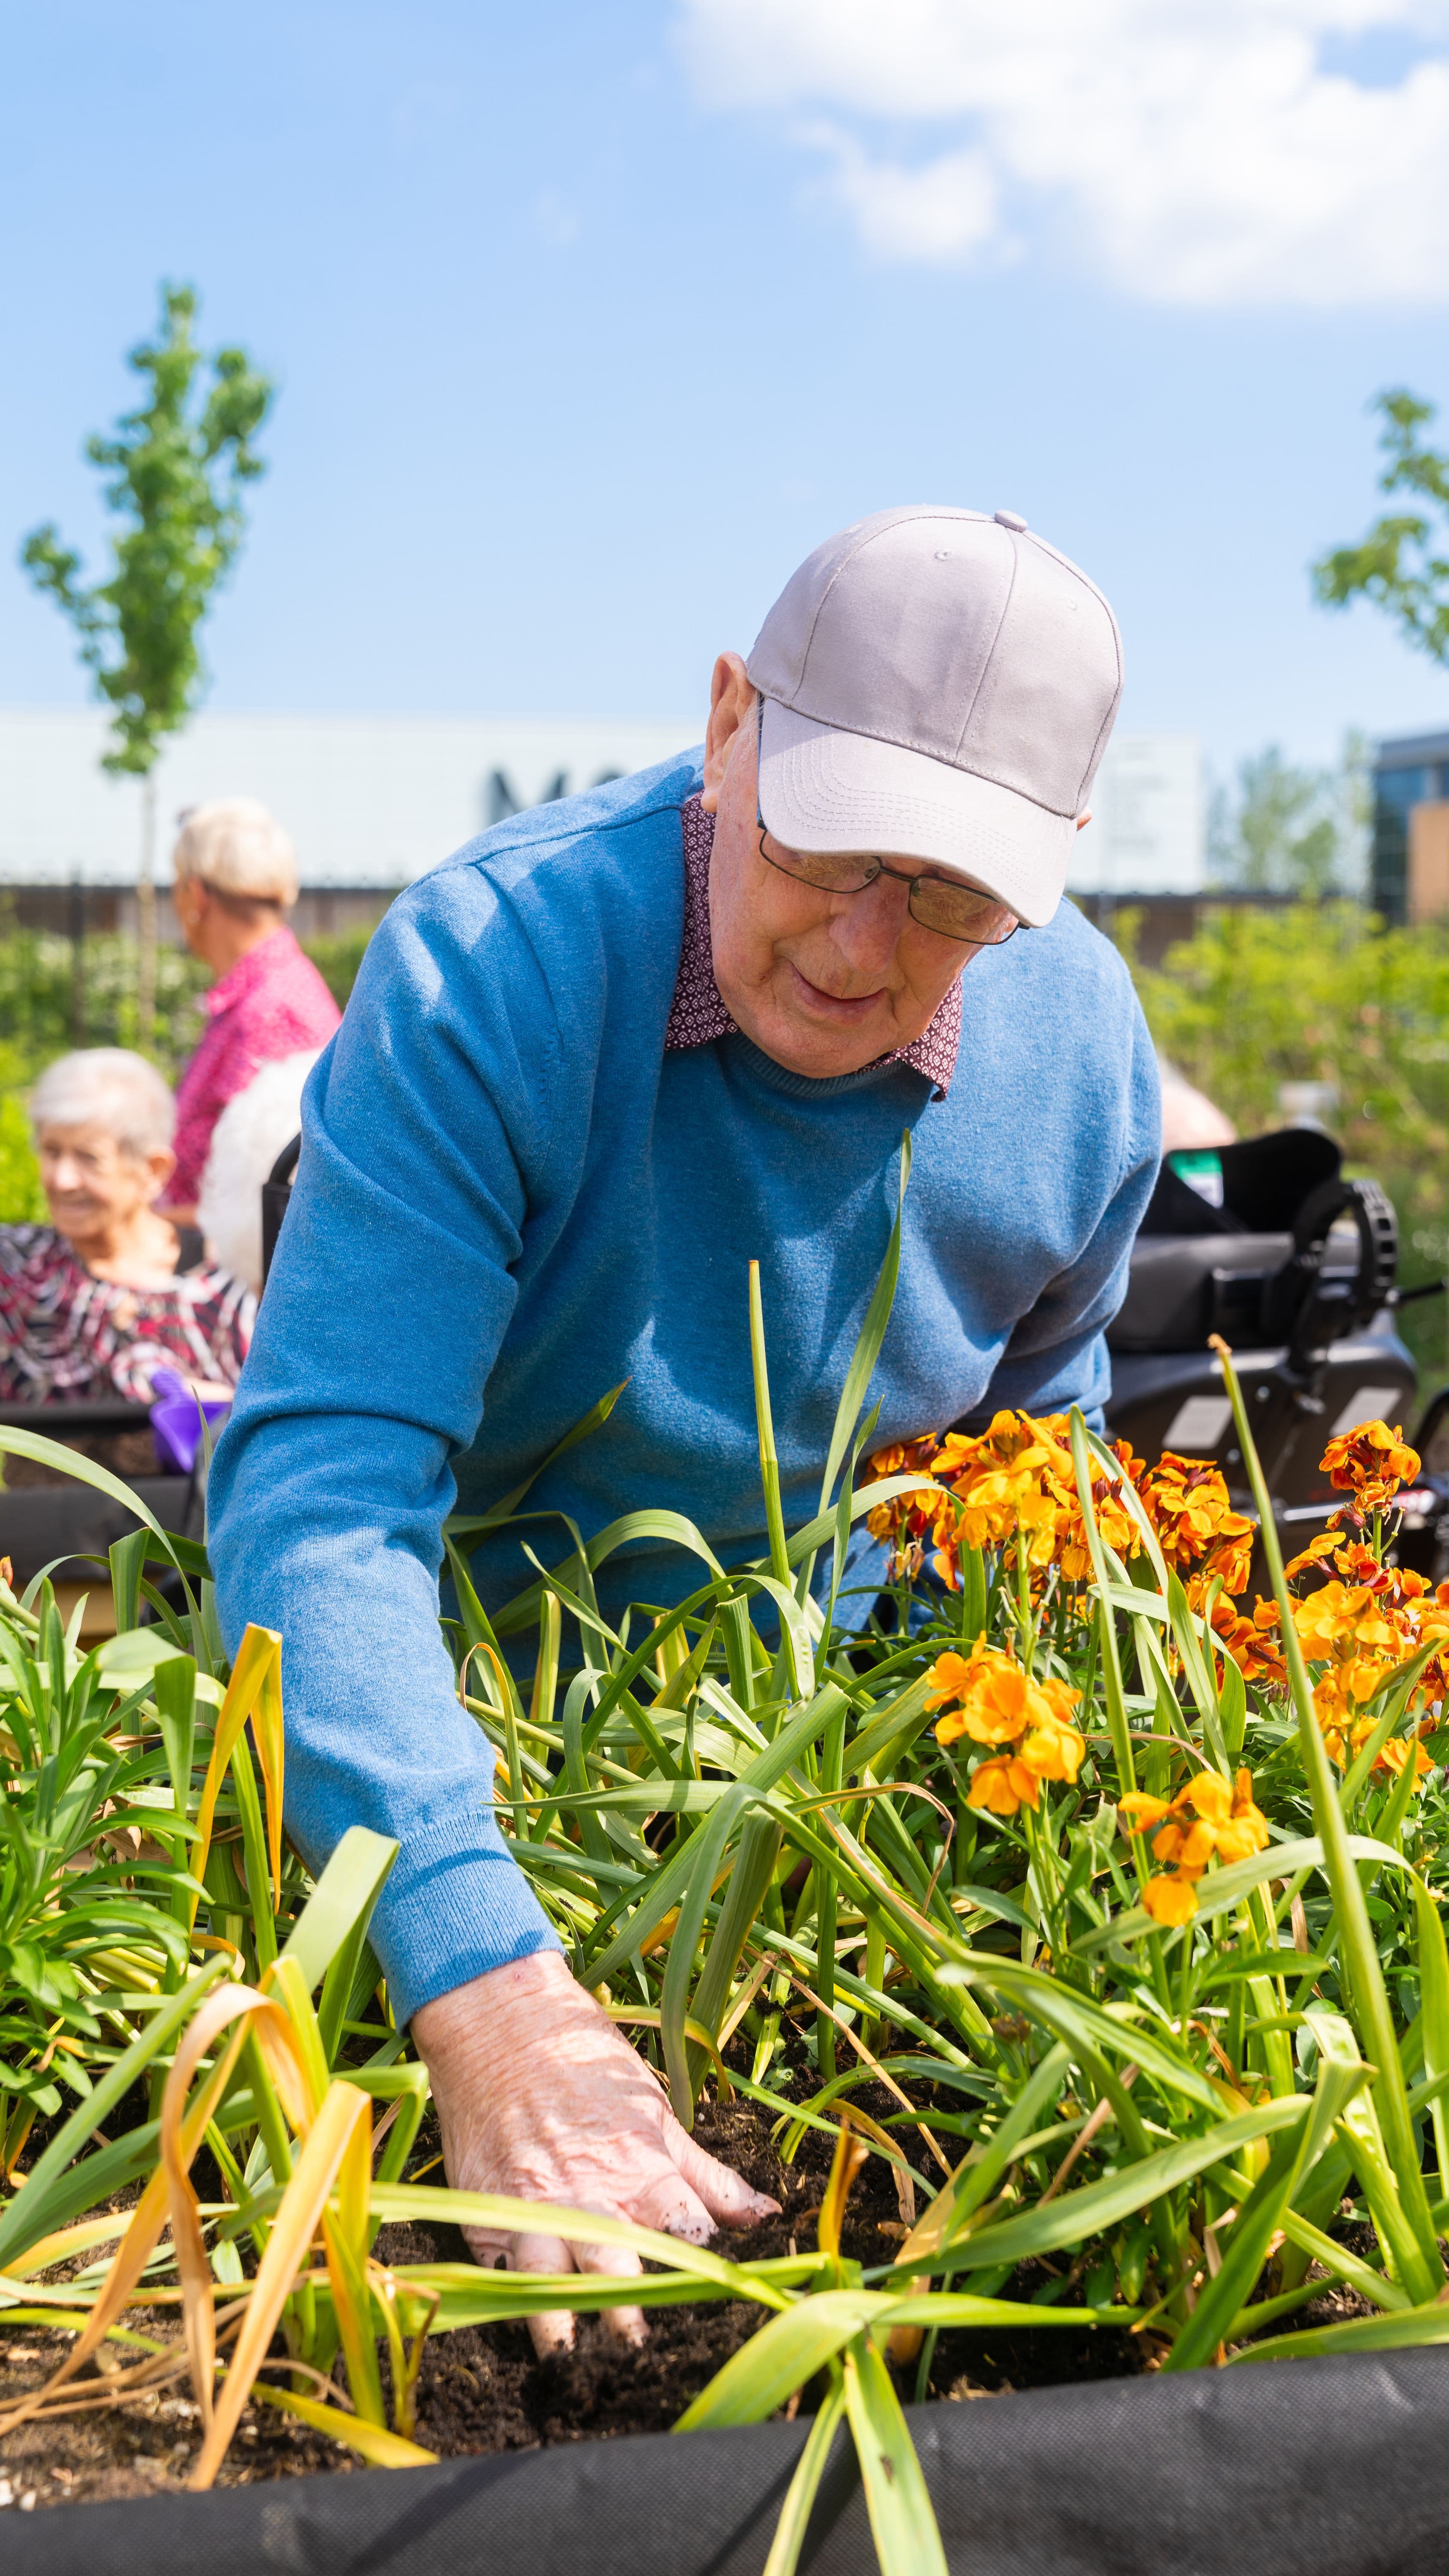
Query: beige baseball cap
(938, 684)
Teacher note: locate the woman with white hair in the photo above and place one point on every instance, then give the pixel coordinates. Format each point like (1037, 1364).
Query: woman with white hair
(235, 876)
(93, 1304)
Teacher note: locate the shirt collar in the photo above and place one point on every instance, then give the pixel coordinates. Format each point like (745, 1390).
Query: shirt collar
(697, 1013)
(248, 972)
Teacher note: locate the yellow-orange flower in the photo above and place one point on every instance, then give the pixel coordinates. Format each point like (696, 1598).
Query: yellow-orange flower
(1003, 1784)
(1394, 1755)
(1209, 1814)
(997, 1703)
(1170, 1899)
(1187, 1503)
(1015, 1485)
(1370, 1463)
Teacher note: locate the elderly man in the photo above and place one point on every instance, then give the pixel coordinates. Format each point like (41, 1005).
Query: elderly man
(596, 1063)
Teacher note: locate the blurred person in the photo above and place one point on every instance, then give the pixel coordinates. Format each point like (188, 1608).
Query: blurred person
(235, 875)
(95, 1303)
(1191, 1123)
(247, 1138)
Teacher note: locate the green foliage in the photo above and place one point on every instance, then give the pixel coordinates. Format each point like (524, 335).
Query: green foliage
(177, 466)
(1396, 565)
(45, 1009)
(1323, 993)
(1295, 831)
(337, 956)
(22, 1200)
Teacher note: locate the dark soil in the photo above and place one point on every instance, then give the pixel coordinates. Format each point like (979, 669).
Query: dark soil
(483, 2389)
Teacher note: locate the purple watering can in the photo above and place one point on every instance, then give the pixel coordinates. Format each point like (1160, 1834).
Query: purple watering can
(176, 1422)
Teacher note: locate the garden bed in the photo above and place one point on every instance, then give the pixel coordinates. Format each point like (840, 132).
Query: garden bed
(483, 2390)
(1126, 1893)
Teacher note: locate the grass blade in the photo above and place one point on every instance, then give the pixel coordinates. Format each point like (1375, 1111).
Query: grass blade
(902, 2522)
(380, 2448)
(795, 2512)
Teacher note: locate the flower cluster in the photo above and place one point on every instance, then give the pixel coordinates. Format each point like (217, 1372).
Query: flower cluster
(1371, 1464)
(1012, 1486)
(1360, 1627)
(997, 1703)
(1187, 1503)
(1207, 1816)
(1367, 1619)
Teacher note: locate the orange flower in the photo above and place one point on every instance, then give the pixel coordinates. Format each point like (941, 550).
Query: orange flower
(1207, 1815)
(907, 1520)
(996, 1702)
(1187, 1504)
(1394, 1755)
(1250, 1641)
(1053, 1749)
(1370, 1463)
(1015, 1486)
(1170, 1899)
(999, 1704)
(1003, 1784)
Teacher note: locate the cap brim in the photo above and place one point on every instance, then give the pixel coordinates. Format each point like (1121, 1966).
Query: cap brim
(823, 789)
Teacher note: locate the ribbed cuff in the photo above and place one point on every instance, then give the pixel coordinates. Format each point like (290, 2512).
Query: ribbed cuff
(455, 1905)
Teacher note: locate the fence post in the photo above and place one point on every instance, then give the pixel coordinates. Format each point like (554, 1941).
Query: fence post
(77, 930)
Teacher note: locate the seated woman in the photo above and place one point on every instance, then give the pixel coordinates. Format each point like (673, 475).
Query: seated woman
(93, 1304)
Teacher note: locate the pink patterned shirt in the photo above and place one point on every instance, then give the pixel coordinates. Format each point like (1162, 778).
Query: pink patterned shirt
(271, 1003)
(697, 1013)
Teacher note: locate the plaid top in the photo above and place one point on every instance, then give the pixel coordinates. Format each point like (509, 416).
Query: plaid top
(64, 1334)
(271, 1003)
(697, 1013)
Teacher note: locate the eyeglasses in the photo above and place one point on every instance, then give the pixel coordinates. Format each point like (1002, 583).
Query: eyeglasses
(942, 904)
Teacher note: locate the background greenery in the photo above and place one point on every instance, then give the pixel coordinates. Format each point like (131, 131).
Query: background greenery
(53, 997)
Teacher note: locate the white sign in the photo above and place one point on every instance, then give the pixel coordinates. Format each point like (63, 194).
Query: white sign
(1148, 830)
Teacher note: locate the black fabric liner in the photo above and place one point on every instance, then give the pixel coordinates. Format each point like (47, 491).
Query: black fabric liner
(1312, 2468)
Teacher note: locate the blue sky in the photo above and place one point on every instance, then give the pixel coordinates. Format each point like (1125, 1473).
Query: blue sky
(589, 322)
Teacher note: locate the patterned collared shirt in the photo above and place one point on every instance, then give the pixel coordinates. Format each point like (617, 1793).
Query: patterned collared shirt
(697, 1013)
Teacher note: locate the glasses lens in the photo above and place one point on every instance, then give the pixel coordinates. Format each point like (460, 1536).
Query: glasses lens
(959, 912)
(833, 875)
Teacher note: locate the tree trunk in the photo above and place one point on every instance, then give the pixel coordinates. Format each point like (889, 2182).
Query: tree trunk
(146, 916)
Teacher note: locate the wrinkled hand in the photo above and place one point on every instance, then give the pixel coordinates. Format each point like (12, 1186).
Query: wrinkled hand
(539, 2098)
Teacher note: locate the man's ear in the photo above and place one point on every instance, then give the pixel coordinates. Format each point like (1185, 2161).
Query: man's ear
(731, 699)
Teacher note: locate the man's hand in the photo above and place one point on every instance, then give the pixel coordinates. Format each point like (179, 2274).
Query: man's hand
(539, 2098)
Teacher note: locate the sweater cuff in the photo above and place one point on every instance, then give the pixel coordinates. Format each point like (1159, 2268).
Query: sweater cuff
(455, 1904)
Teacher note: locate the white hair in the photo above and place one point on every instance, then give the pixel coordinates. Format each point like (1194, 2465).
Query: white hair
(236, 847)
(107, 1087)
(245, 1143)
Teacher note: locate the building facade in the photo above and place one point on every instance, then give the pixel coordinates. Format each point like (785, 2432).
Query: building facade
(1410, 864)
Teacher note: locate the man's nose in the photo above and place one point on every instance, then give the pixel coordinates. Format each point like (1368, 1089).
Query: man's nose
(867, 927)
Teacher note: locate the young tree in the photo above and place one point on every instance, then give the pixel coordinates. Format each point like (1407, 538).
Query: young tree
(177, 466)
(1298, 832)
(1397, 565)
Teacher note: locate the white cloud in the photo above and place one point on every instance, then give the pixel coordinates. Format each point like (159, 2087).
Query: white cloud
(1201, 152)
